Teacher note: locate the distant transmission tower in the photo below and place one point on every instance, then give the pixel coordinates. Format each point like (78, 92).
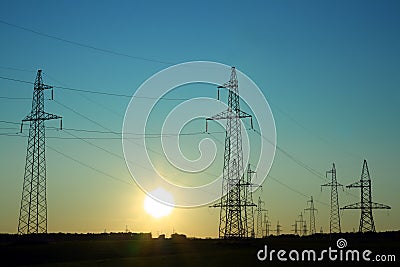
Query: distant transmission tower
(260, 211)
(267, 224)
(278, 228)
(334, 225)
(312, 210)
(366, 205)
(302, 223)
(33, 211)
(249, 204)
(295, 231)
(232, 222)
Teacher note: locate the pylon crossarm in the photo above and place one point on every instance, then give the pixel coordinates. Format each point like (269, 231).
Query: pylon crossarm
(327, 184)
(357, 205)
(375, 205)
(356, 184)
(48, 116)
(41, 86)
(372, 205)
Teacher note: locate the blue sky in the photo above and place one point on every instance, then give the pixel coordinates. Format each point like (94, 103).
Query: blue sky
(330, 70)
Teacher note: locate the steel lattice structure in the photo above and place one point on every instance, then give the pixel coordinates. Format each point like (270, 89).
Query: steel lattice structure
(312, 210)
(233, 223)
(33, 210)
(303, 225)
(334, 224)
(249, 205)
(366, 205)
(278, 228)
(260, 211)
(267, 224)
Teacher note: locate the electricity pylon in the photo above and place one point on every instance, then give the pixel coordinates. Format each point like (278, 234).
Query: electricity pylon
(232, 222)
(260, 211)
(267, 224)
(278, 228)
(295, 232)
(366, 205)
(312, 210)
(334, 222)
(248, 202)
(33, 210)
(303, 225)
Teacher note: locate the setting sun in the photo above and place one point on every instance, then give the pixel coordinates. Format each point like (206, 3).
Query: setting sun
(156, 208)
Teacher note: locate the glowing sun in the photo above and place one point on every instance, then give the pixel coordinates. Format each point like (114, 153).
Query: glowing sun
(155, 208)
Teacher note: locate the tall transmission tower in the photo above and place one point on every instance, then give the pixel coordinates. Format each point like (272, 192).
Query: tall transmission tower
(334, 224)
(312, 210)
(366, 205)
(232, 222)
(33, 211)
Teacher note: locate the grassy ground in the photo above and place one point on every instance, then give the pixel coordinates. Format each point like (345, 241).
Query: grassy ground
(112, 251)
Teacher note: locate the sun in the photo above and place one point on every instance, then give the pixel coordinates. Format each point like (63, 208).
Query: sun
(155, 208)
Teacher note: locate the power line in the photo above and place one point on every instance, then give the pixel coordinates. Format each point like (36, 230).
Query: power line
(15, 80)
(97, 92)
(103, 50)
(297, 161)
(293, 158)
(294, 190)
(88, 166)
(10, 134)
(91, 167)
(147, 135)
(312, 132)
(15, 98)
(300, 163)
(10, 122)
(83, 116)
(84, 139)
(135, 143)
(16, 69)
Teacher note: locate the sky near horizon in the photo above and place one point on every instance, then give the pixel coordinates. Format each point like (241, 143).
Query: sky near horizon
(329, 70)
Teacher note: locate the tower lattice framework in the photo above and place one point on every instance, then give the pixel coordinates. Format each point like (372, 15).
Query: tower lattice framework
(366, 205)
(334, 221)
(312, 210)
(33, 210)
(249, 204)
(233, 222)
(260, 213)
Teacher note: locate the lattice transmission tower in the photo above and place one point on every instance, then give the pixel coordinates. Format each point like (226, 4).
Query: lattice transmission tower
(295, 230)
(249, 204)
(301, 225)
(278, 228)
(260, 222)
(33, 210)
(334, 220)
(267, 224)
(366, 205)
(233, 204)
(312, 210)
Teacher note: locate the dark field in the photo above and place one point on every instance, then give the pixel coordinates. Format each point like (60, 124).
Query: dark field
(128, 250)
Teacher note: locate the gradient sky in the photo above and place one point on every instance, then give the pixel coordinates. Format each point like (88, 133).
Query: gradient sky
(329, 69)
